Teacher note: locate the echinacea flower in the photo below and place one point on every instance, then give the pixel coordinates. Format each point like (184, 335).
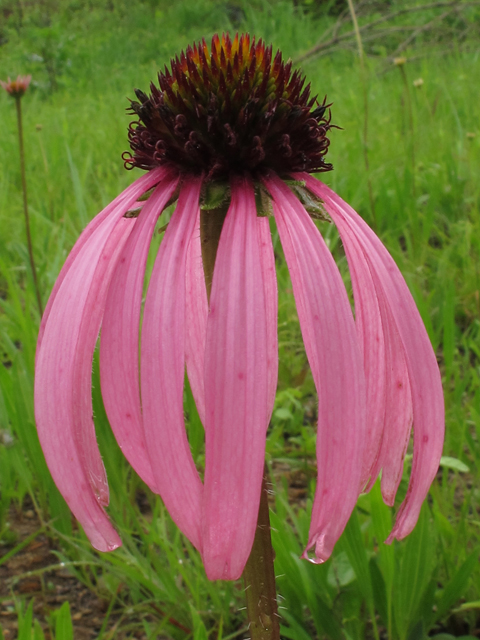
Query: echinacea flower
(16, 88)
(235, 122)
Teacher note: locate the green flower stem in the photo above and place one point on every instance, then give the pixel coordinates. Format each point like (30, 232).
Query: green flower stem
(18, 104)
(258, 575)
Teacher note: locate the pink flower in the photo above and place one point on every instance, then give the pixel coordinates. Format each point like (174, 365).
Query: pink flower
(374, 375)
(16, 88)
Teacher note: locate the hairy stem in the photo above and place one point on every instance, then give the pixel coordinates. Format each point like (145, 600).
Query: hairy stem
(258, 575)
(18, 100)
(259, 578)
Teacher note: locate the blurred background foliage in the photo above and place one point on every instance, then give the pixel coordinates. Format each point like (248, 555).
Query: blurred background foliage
(407, 158)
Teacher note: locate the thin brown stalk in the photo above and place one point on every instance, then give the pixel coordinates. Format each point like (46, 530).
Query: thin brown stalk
(357, 31)
(18, 103)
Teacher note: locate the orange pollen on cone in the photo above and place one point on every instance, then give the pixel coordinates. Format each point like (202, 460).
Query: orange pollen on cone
(231, 107)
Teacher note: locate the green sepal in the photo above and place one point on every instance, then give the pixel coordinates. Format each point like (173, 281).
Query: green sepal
(214, 195)
(146, 195)
(313, 205)
(133, 213)
(294, 183)
(263, 201)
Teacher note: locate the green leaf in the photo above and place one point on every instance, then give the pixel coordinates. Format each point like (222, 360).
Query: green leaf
(425, 609)
(382, 525)
(466, 606)
(457, 585)
(379, 591)
(323, 616)
(418, 632)
(25, 623)
(341, 572)
(77, 189)
(449, 325)
(454, 463)
(414, 574)
(295, 631)
(37, 633)
(199, 630)
(303, 583)
(283, 414)
(63, 625)
(355, 547)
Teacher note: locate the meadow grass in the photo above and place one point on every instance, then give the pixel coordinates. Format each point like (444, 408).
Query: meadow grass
(427, 214)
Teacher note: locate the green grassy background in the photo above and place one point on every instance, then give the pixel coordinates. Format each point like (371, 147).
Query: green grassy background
(85, 59)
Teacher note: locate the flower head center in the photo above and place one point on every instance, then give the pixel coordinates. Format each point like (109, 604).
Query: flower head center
(232, 107)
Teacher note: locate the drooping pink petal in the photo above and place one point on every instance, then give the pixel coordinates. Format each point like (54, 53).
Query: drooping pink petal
(389, 409)
(91, 318)
(423, 372)
(393, 406)
(236, 391)
(163, 370)
(119, 345)
(331, 345)
(117, 207)
(372, 345)
(196, 320)
(371, 341)
(63, 379)
(399, 411)
(271, 307)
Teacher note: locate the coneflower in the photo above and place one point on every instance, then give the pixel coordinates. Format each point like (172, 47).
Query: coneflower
(232, 135)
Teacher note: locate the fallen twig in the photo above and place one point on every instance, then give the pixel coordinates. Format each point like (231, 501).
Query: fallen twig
(336, 38)
(402, 46)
